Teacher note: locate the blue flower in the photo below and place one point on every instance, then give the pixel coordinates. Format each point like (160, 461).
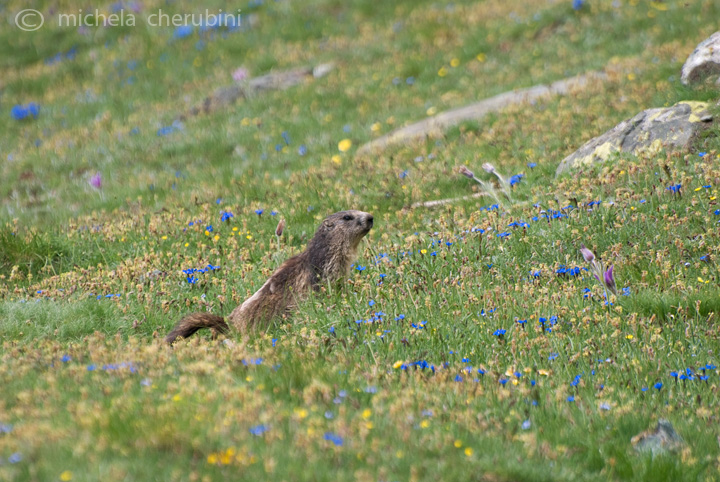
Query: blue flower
(259, 211)
(331, 329)
(577, 4)
(66, 358)
(226, 215)
(458, 378)
(532, 165)
(302, 150)
(15, 458)
(183, 31)
(20, 112)
(675, 188)
(658, 385)
(571, 398)
(191, 279)
(371, 303)
(526, 425)
(503, 381)
(515, 179)
(258, 430)
(499, 332)
(274, 340)
(336, 439)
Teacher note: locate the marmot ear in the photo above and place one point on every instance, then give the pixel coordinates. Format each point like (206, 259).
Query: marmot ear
(328, 224)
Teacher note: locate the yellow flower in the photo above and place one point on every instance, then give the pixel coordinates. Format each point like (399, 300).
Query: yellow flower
(212, 459)
(301, 412)
(458, 443)
(207, 233)
(177, 398)
(543, 372)
(468, 451)
(629, 337)
(367, 413)
(216, 237)
(442, 72)
(249, 237)
(423, 251)
(344, 145)
(187, 244)
(235, 228)
(454, 62)
(376, 127)
(631, 76)
(431, 111)
(369, 425)
(481, 57)
(425, 424)
(65, 476)
(336, 159)
(164, 237)
(659, 6)
(397, 364)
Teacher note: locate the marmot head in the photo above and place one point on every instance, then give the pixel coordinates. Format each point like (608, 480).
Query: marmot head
(348, 226)
(333, 249)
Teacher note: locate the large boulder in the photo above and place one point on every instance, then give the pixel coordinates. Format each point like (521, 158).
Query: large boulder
(703, 62)
(651, 129)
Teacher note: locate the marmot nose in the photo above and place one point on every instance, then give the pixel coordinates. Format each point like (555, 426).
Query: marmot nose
(369, 220)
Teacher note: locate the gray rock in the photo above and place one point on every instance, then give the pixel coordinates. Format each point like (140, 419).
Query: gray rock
(228, 95)
(437, 124)
(662, 440)
(650, 130)
(703, 62)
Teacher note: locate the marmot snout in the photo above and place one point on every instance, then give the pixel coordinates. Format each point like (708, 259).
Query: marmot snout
(327, 258)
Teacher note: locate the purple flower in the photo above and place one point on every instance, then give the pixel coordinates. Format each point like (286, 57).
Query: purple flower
(466, 172)
(610, 280)
(96, 181)
(587, 254)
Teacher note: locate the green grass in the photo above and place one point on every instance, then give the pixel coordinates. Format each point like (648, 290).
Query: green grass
(92, 279)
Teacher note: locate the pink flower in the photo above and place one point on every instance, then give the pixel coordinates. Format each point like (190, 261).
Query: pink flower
(96, 181)
(240, 74)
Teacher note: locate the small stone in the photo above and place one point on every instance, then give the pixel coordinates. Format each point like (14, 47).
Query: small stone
(662, 440)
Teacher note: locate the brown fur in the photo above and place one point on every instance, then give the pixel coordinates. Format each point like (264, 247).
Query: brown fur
(327, 258)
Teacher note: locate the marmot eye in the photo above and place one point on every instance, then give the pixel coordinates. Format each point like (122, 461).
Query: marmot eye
(347, 217)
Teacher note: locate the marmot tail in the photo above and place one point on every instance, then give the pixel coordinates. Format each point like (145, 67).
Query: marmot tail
(197, 321)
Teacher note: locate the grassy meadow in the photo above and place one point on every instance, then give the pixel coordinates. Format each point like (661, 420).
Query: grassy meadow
(470, 342)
